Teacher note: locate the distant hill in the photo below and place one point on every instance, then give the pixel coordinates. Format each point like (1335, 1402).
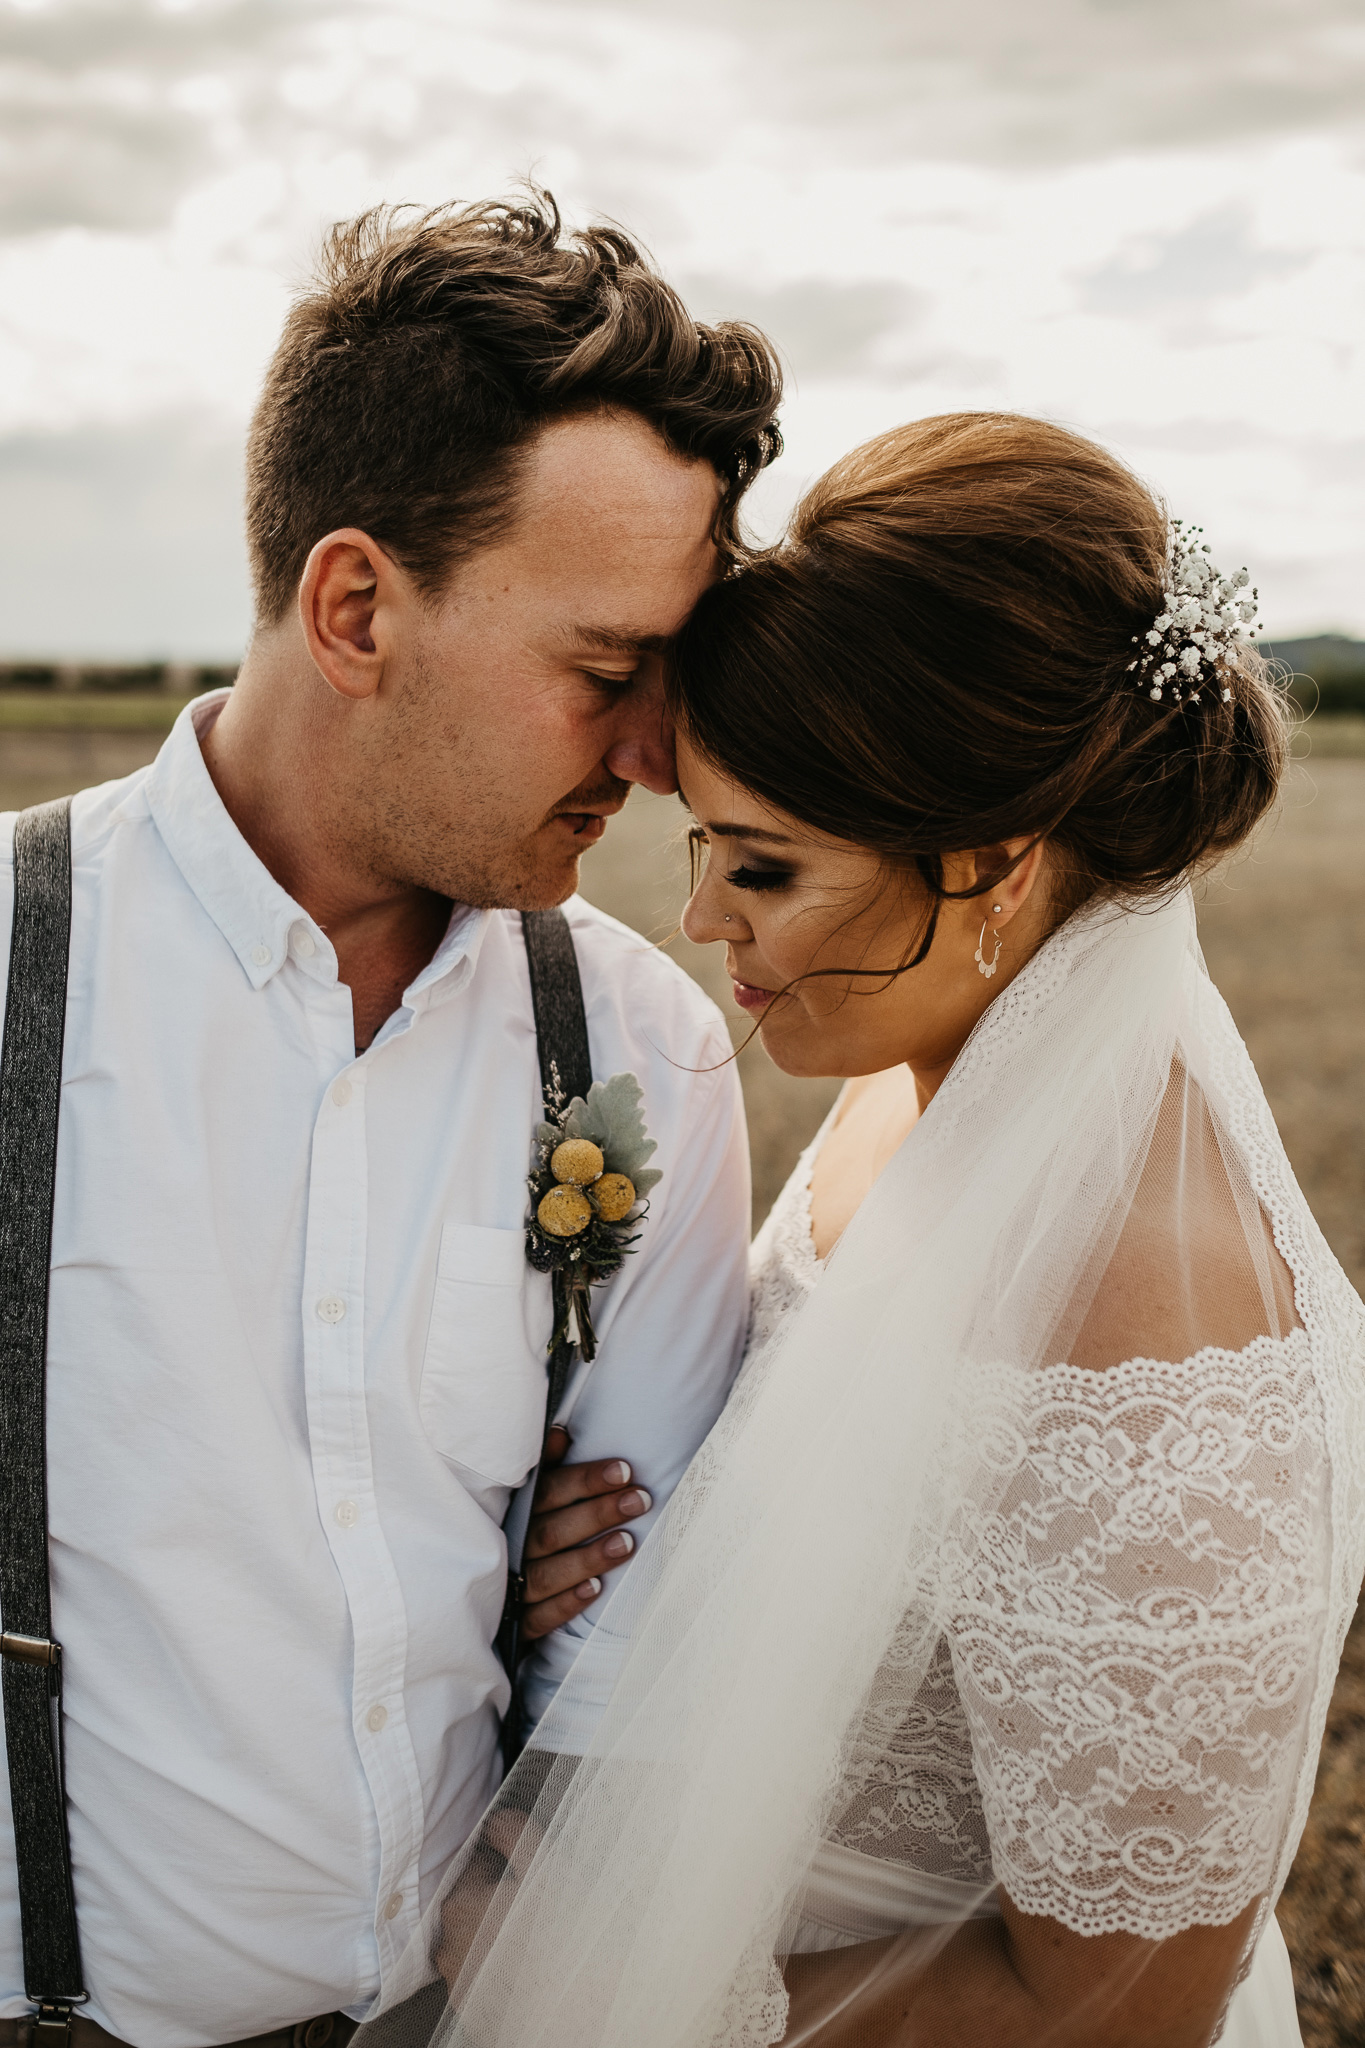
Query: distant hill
(1329, 670)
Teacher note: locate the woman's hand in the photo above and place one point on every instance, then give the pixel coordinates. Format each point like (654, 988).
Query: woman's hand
(566, 1551)
(1019, 1982)
(484, 1891)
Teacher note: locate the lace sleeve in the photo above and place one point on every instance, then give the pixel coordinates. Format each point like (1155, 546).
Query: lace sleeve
(1134, 1631)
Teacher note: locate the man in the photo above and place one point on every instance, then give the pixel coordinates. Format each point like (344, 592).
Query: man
(296, 1355)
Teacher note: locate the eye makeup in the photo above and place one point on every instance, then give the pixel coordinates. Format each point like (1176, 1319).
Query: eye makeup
(758, 878)
(747, 875)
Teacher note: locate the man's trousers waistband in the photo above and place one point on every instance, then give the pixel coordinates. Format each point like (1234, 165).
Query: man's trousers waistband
(330, 2030)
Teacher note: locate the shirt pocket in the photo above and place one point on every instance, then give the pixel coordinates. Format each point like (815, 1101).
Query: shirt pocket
(482, 1398)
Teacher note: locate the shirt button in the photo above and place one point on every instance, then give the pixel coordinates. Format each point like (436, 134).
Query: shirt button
(304, 946)
(261, 955)
(341, 1092)
(347, 1513)
(376, 1718)
(394, 1907)
(331, 1308)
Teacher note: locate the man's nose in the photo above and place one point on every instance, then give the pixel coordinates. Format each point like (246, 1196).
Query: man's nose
(643, 749)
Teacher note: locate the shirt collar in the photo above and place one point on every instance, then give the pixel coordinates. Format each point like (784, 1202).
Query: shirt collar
(255, 915)
(452, 964)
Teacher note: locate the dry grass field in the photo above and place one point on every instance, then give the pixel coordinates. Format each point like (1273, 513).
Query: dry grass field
(1285, 940)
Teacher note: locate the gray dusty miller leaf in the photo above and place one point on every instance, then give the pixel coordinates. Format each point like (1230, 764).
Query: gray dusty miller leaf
(612, 1117)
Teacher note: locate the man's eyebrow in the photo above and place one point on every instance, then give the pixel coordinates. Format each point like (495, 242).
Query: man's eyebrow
(750, 832)
(617, 640)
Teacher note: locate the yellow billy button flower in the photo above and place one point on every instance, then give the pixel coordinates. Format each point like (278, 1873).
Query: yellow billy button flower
(577, 1161)
(614, 1195)
(564, 1211)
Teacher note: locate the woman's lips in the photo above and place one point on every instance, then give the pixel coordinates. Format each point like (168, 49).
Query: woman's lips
(750, 998)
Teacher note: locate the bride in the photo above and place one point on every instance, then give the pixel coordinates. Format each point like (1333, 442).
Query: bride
(972, 1687)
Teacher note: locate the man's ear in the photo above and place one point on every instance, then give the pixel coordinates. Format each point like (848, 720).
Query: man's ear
(348, 595)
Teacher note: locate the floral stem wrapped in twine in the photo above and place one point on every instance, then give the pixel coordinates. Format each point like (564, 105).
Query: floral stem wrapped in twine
(588, 1185)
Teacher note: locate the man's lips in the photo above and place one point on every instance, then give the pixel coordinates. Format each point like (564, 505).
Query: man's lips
(586, 826)
(750, 998)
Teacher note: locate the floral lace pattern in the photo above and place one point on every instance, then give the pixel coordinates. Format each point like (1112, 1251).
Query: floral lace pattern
(918, 1801)
(783, 1267)
(757, 2010)
(1119, 1721)
(1135, 1631)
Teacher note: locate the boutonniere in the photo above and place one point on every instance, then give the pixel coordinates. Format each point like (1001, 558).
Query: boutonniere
(588, 1184)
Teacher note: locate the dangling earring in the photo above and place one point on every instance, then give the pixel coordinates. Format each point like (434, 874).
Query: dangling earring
(984, 966)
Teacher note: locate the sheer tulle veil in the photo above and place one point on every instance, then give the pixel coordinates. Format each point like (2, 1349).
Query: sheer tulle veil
(646, 1867)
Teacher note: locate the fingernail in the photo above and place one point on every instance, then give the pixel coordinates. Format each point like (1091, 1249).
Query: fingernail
(637, 1503)
(589, 1589)
(619, 1544)
(617, 1474)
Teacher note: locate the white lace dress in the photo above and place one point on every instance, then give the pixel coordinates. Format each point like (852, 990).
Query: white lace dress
(1047, 1713)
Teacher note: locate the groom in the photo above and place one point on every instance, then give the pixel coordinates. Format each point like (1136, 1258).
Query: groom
(296, 1358)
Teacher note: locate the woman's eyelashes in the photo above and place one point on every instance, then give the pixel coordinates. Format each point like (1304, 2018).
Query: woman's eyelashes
(742, 877)
(758, 878)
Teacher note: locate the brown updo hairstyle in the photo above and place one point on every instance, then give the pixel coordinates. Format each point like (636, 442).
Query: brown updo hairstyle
(936, 660)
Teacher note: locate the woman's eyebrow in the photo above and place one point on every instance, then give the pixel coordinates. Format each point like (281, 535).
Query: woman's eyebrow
(737, 831)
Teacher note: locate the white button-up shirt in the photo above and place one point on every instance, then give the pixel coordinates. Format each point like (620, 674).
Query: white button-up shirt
(296, 1364)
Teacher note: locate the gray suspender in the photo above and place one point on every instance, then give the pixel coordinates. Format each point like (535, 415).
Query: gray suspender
(565, 1067)
(30, 1096)
(30, 1099)
(565, 1071)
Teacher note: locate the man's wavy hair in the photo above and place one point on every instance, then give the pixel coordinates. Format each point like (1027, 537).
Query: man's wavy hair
(432, 346)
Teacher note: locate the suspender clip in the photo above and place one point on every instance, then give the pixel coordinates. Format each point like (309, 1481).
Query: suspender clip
(35, 1650)
(50, 2026)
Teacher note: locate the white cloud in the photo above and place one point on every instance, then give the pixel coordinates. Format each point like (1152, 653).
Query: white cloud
(124, 543)
(1141, 216)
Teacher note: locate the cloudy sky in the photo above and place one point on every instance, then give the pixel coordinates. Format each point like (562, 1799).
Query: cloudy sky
(1142, 217)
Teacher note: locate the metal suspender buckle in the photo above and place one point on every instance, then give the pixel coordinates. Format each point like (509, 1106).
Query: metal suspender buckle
(50, 2026)
(35, 1650)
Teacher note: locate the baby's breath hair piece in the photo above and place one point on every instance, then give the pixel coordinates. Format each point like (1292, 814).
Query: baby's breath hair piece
(1202, 619)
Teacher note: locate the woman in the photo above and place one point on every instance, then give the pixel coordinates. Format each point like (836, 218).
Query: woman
(972, 1687)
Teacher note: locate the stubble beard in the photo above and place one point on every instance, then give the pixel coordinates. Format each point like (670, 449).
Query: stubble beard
(407, 837)
(406, 847)
(518, 873)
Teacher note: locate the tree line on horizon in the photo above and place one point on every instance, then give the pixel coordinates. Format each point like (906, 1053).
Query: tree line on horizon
(1325, 672)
